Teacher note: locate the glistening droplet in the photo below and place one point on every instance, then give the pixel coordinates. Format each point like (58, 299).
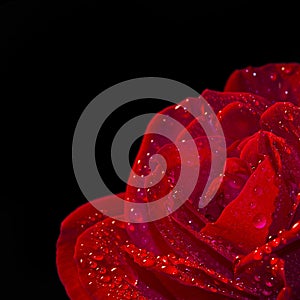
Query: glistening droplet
(258, 190)
(259, 221)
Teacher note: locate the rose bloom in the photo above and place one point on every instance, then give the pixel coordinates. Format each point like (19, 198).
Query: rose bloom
(245, 244)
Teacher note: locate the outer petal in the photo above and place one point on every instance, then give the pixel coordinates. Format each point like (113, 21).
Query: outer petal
(77, 222)
(275, 82)
(91, 263)
(107, 272)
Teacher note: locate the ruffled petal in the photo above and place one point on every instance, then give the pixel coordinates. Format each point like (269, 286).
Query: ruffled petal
(276, 82)
(245, 221)
(76, 223)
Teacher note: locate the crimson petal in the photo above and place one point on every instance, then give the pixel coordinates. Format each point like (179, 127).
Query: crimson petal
(105, 270)
(245, 221)
(276, 82)
(76, 223)
(219, 100)
(283, 119)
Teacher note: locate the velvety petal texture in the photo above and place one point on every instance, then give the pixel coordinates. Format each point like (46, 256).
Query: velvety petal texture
(245, 244)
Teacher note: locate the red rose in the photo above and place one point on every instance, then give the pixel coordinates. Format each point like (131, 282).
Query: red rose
(245, 244)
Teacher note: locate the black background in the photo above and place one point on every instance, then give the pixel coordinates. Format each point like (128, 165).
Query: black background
(56, 56)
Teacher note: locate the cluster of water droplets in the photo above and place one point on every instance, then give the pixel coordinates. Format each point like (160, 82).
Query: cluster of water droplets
(262, 270)
(100, 261)
(185, 271)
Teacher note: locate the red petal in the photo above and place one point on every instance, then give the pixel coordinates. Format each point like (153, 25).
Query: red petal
(90, 261)
(236, 175)
(106, 271)
(192, 280)
(275, 82)
(286, 162)
(274, 266)
(78, 221)
(246, 220)
(238, 121)
(219, 100)
(283, 119)
(250, 152)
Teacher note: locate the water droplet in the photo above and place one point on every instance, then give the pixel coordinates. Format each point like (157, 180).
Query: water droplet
(267, 249)
(93, 265)
(257, 278)
(288, 116)
(287, 69)
(98, 257)
(274, 261)
(276, 242)
(125, 286)
(257, 255)
(213, 288)
(267, 293)
(298, 195)
(259, 221)
(170, 270)
(283, 240)
(102, 270)
(91, 274)
(105, 278)
(252, 204)
(269, 282)
(273, 76)
(148, 262)
(237, 261)
(258, 190)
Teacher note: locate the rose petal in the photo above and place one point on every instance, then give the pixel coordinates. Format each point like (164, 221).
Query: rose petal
(78, 221)
(196, 281)
(273, 266)
(238, 121)
(275, 82)
(245, 221)
(291, 256)
(262, 273)
(105, 270)
(219, 100)
(236, 174)
(286, 161)
(283, 119)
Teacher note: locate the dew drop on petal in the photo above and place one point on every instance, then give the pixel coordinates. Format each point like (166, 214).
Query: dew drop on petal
(98, 257)
(257, 255)
(288, 116)
(275, 242)
(170, 270)
(259, 221)
(148, 262)
(287, 69)
(258, 190)
(257, 278)
(269, 283)
(274, 261)
(296, 227)
(93, 265)
(105, 278)
(273, 76)
(267, 293)
(102, 270)
(267, 249)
